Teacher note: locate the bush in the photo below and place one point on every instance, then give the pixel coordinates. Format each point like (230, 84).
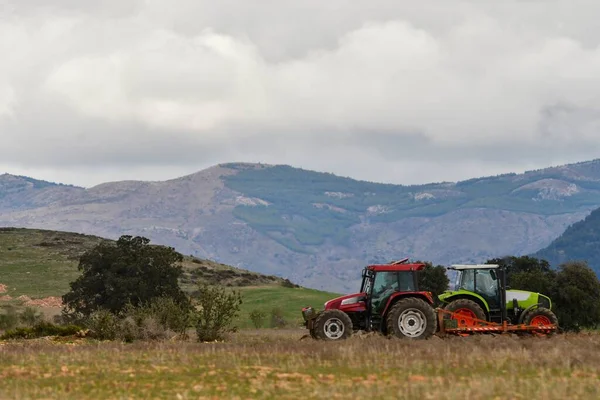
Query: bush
(288, 284)
(104, 325)
(159, 319)
(258, 317)
(41, 329)
(277, 319)
(10, 319)
(217, 309)
(30, 316)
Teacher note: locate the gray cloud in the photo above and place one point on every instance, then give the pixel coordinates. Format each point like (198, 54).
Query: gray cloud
(385, 91)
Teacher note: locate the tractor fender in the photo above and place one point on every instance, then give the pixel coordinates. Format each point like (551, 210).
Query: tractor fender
(469, 296)
(425, 296)
(525, 311)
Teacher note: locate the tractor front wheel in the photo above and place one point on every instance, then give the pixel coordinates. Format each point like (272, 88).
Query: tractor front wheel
(332, 325)
(466, 312)
(411, 318)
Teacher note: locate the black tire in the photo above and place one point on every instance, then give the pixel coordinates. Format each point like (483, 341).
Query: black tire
(332, 325)
(466, 304)
(540, 314)
(411, 318)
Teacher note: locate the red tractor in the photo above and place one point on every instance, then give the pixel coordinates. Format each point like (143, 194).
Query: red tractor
(389, 302)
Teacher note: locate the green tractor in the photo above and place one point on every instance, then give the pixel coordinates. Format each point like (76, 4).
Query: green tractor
(480, 293)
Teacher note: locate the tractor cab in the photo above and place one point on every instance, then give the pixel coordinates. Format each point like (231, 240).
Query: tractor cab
(485, 282)
(380, 282)
(389, 301)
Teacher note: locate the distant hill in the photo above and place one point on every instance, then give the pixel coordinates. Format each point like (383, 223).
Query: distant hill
(40, 263)
(580, 242)
(317, 229)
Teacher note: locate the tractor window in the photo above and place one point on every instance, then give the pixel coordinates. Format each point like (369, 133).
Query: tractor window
(407, 281)
(385, 281)
(466, 280)
(486, 283)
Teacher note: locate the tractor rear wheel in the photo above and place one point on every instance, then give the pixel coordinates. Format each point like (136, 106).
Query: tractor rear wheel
(411, 318)
(332, 325)
(465, 312)
(540, 316)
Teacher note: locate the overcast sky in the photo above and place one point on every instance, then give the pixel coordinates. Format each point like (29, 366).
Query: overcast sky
(389, 91)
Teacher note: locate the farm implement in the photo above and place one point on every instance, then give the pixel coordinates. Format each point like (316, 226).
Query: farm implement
(391, 303)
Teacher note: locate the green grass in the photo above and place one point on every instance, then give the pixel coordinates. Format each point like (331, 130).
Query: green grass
(40, 263)
(277, 365)
(289, 300)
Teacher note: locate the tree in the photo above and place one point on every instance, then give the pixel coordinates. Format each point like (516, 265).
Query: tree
(515, 265)
(130, 271)
(217, 309)
(433, 279)
(577, 296)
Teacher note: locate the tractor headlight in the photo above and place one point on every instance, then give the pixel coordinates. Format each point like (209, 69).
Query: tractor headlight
(307, 313)
(351, 300)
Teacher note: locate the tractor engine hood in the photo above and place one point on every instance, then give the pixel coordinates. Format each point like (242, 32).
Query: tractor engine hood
(346, 302)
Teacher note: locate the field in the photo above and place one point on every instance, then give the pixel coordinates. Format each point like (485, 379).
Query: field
(273, 364)
(288, 300)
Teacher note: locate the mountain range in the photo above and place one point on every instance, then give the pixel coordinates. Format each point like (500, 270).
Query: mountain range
(316, 229)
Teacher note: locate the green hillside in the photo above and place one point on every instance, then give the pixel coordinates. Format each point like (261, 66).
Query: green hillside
(287, 301)
(42, 263)
(581, 241)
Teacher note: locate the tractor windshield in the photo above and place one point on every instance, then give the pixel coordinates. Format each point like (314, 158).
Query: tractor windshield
(465, 279)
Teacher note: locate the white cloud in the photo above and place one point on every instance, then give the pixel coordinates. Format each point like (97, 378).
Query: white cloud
(367, 88)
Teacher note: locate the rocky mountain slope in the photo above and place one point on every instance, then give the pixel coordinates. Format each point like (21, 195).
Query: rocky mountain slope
(316, 229)
(580, 242)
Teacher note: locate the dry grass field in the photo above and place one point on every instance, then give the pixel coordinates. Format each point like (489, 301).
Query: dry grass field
(271, 364)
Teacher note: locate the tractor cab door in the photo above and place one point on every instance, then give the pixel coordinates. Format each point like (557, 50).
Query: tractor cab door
(388, 282)
(487, 285)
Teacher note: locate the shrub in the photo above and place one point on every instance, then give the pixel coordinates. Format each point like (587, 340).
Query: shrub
(30, 316)
(104, 325)
(217, 308)
(10, 319)
(41, 329)
(277, 319)
(288, 284)
(160, 318)
(257, 317)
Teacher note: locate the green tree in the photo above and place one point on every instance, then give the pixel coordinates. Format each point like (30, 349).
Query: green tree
(258, 317)
(433, 279)
(515, 265)
(577, 296)
(130, 271)
(216, 310)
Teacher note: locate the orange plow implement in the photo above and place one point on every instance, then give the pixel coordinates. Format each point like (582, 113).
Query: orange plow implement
(463, 325)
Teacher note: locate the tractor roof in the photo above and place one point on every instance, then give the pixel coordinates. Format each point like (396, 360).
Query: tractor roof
(400, 265)
(474, 266)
